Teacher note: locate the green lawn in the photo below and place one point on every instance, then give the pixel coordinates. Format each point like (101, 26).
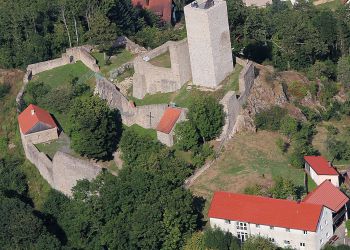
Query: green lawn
(123, 57)
(249, 159)
(143, 131)
(62, 75)
(183, 96)
(162, 60)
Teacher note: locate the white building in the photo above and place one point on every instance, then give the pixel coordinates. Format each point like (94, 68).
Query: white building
(209, 42)
(320, 170)
(331, 197)
(286, 223)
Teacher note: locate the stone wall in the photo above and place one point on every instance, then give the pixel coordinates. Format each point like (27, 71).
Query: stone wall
(129, 113)
(133, 47)
(114, 73)
(233, 105)
(67, 170)
(42, 136)
(151, 79)
(246, 80)
(63, 172)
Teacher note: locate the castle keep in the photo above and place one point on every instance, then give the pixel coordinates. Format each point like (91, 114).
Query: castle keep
(208, 42)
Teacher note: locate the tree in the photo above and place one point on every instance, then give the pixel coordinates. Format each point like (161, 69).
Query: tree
(219, 240)
(187, 136)
(102, 31)
(344, 70)
(195, 242)
(337, 149)
(258, 242)
(207, 115)
(96, 129)
(289, 126)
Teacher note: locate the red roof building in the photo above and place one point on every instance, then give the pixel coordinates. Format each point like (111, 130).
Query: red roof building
(168, 120)
(320, 165)
(34, 119)
(162, 8)
(265, 211)
(327, 195)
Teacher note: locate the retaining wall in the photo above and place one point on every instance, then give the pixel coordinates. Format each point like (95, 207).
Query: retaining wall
(150, 79)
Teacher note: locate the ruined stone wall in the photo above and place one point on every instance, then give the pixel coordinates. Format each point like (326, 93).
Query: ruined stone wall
(152, 79)
(67, 170)
(63, 172)
(40, 160)
(130, 114)
(82, 54)
(47, 65)
(133, 47)
(233, 106)
(42, 136)
(246, 80)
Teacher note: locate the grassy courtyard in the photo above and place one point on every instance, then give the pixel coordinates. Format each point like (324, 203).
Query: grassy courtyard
(183, 96)
(162, 60)
(248, 159)
(115, 61)
(62, 75)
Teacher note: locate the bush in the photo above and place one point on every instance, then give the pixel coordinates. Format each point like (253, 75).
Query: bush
(4, 90)
(36, 92)
(282, 145)
(270, 119)
(219, 240)
(258, 242)
(332, 130)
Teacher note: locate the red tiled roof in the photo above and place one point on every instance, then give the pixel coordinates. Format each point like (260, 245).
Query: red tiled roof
(161, 8)
(265, 211)
(32, 115)
(327, 195)
(320, 165)
(168, 120)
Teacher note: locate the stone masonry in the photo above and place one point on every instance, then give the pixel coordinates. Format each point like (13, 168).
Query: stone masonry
(151, 79)
(209, 42)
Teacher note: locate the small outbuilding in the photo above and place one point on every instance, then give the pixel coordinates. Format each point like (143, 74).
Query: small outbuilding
(329, 196)
(319, 169)
(165, 128)
(37, 125)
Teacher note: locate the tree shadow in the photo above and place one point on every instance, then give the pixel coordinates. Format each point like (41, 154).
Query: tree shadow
(199, 204)
(258, 51)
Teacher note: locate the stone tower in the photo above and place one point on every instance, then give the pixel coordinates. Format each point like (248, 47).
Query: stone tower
(209, 42)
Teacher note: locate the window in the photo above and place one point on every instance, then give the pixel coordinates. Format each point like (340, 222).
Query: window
(327, 235)
(271, 227)
(321, 227)
(227, 222)
(286, 242)
(242, 236)
(302, 244)
(272, 240)
(305, 232)
(287, 230)
(326, 222)
(241, 226)
(257, 225)
(321, 241)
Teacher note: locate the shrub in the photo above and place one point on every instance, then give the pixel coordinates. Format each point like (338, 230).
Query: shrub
(4, 90)
(270, 119)
(282, 145)
(219, 240)
(297, 89)
(332, 130)
(36, 92)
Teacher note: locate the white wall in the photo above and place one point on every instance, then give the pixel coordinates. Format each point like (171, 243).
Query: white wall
(318, 179)
(294, 236)
(42, 136)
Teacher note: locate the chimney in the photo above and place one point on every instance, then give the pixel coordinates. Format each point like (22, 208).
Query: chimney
(32, 111)
(330, 164)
